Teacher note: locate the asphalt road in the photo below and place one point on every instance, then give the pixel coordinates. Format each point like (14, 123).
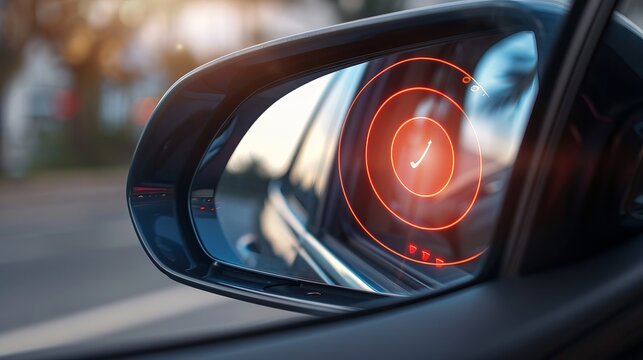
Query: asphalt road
(73, 272)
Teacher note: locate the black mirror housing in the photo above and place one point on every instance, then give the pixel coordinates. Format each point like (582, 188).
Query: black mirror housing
(206, 112)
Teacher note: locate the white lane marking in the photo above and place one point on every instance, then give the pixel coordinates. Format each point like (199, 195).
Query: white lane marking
(107, 319)
(415, 164)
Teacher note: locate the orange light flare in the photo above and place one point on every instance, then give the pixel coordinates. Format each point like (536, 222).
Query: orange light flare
(370, 176)
(440, 168)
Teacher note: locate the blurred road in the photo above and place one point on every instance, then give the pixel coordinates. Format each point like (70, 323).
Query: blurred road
(72, 270)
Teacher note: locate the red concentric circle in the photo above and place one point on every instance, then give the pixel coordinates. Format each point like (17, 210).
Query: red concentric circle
(433, 192)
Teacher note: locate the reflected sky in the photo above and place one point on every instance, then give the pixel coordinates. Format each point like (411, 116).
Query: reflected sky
(508, 73)
(272, 138)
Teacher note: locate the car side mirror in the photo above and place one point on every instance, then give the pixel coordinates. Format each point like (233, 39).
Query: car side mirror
(420, 92)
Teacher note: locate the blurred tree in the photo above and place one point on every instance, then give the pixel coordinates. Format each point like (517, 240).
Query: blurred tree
(90, 42)
(91, 38)
(15, 22)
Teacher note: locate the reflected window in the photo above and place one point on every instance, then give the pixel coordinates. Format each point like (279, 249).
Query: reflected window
(311, 168)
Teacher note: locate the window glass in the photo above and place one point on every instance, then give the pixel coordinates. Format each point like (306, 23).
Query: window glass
(633, 10)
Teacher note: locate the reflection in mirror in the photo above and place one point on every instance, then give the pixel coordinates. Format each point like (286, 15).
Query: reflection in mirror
(387, 176)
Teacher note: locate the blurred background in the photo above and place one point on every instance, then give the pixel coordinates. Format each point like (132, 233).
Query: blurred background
(78, 81)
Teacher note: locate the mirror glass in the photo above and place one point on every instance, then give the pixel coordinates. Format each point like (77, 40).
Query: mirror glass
(386, 176)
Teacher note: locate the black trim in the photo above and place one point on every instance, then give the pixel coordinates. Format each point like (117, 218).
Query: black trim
(563, 76)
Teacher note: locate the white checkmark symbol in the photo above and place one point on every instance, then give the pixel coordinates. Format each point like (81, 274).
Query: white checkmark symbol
(415, 164)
